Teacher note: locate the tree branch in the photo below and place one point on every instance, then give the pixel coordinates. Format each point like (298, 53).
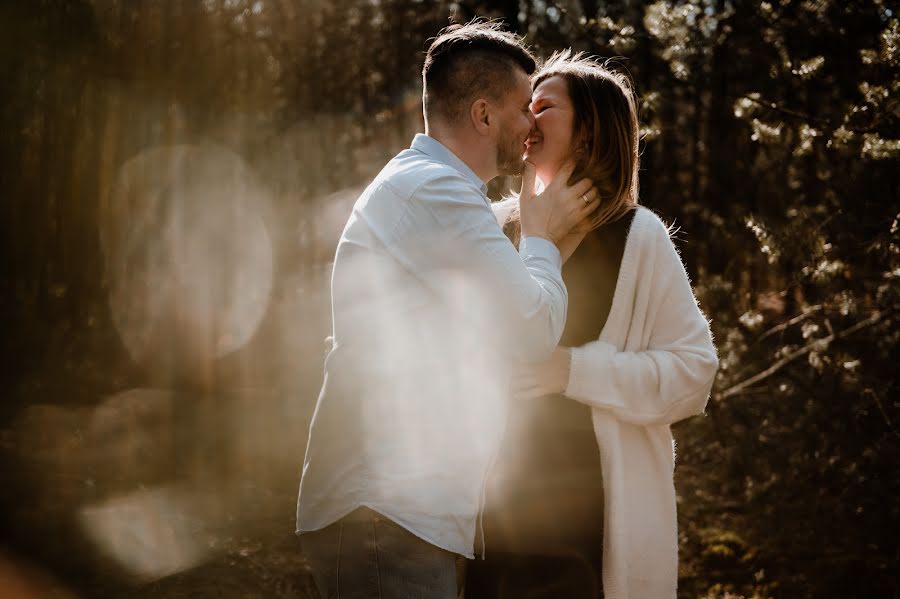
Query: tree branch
(777, 328)
(881, 409)
(788, 111)
(740, 387)
(819, 120)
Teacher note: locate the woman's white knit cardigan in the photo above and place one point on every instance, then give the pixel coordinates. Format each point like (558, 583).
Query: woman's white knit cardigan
(653, 365)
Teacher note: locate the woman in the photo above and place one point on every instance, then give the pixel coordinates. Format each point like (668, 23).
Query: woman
(635, 357)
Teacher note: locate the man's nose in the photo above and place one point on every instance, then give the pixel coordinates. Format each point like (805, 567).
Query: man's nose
(531, 120)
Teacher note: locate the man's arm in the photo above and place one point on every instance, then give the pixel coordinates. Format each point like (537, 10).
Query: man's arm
(450, 237)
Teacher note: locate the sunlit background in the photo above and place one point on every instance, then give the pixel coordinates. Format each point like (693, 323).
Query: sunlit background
(174, 176)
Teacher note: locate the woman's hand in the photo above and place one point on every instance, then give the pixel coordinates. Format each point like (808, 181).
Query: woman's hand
(544, 378)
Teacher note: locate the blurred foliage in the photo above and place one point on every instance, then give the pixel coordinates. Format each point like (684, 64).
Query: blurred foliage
(771, 139)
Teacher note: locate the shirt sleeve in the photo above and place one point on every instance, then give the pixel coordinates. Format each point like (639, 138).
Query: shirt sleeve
(449, 232)
(672, 378)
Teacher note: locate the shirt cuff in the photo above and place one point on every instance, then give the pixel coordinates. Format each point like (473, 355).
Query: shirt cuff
(540, 247)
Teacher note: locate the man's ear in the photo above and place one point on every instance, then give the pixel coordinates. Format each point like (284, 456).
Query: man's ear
(480, 114)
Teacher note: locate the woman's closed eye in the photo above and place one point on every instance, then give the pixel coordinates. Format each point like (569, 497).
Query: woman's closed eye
(540, 109)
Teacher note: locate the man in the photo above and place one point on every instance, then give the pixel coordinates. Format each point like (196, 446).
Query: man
(428, 300)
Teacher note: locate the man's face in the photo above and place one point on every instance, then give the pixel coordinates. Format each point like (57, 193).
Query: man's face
(515, 124)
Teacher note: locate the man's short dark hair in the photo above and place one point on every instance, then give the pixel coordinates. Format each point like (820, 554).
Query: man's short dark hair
(467, 62)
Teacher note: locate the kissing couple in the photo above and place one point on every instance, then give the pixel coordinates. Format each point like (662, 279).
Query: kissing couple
(540, 346)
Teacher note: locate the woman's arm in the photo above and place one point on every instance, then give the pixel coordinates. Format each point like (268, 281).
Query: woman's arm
(672, 378)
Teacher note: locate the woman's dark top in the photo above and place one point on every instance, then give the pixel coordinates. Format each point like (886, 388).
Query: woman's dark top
(547, 482)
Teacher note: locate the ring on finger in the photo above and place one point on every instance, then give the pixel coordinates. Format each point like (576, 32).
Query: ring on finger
(585, 198)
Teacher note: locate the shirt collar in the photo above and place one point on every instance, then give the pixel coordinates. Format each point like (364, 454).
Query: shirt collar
(432, 147)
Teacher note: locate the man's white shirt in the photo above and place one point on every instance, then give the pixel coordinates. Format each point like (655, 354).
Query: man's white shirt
(431, 305)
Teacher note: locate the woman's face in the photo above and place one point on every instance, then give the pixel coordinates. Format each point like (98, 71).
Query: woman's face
(550, 142)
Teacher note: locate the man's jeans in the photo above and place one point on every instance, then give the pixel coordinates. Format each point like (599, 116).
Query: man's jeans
(367, 556)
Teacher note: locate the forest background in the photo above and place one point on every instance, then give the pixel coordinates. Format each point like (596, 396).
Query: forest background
(174, 175)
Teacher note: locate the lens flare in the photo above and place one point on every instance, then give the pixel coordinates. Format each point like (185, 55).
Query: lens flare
(152, 532)
(189, 261)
